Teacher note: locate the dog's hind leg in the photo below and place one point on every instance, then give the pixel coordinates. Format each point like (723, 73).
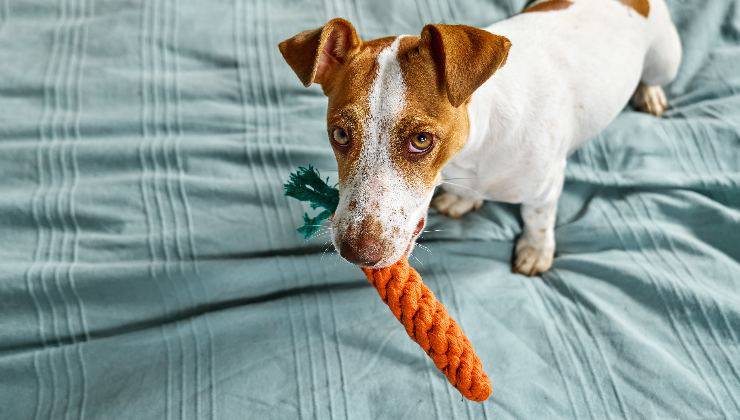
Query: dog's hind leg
(661, 61)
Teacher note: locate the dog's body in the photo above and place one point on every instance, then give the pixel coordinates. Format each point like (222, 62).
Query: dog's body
(505, 125)
(581, 65)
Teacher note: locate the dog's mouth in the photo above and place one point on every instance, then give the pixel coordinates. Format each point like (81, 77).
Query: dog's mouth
(417, 231)
(371, 251)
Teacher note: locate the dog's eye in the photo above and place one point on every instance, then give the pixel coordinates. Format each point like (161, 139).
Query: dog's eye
(340, 136)
(421, 143)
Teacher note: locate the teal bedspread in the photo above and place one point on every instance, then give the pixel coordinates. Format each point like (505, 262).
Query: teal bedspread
(150, 267)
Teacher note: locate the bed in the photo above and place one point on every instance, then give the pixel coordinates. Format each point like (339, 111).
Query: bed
(150, 267)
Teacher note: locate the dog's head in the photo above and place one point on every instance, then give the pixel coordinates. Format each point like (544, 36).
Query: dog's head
(397, 113)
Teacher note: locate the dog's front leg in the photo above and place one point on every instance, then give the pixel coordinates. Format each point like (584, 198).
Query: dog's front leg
(535, 248)
(455, 206)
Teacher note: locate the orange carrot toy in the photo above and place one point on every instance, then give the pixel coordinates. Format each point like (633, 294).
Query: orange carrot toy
(428, 323)
(400, 286)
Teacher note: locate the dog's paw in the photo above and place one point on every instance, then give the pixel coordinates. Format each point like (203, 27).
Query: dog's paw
(532, 260)
(455, 206)
(650, 99)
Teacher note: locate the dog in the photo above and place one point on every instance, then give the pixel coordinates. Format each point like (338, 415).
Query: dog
(498, 109)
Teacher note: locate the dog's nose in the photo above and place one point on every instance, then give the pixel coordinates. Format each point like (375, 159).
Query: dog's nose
(365, 251)
(362, 244)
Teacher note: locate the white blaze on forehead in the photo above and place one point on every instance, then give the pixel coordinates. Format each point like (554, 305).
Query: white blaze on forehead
(385, 103)
(374, 185)
(387, 94)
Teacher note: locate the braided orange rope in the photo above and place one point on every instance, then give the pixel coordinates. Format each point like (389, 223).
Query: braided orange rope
(428, 323)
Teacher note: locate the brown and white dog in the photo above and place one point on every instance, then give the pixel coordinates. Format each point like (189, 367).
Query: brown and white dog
(499, 109)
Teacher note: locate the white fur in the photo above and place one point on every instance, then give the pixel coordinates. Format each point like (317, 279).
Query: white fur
(376, 186)
(568, 74)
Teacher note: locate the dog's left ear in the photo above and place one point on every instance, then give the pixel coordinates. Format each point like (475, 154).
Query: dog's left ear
(465, 57)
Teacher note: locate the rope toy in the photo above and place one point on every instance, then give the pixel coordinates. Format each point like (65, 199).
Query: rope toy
(401, 288)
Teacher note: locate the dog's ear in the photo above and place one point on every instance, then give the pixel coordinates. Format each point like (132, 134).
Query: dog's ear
(314, 54)
(465, 57)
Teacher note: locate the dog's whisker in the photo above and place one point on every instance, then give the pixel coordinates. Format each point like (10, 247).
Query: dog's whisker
(417, 259)
(319, 236)
(464, 186)
(323, 253)
(425, 248)
(324, 228)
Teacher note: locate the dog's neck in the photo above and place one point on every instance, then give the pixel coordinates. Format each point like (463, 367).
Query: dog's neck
(493, 98)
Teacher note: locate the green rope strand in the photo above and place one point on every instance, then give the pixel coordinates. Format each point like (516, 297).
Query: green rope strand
(306, 185)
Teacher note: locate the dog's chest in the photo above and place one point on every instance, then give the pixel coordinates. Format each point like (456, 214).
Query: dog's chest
(479, 182)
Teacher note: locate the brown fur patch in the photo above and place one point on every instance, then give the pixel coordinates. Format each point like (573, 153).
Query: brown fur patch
(641, 6)
(427, 109)
(549, 6)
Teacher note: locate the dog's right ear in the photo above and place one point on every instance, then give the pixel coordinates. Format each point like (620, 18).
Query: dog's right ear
(315, 54)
